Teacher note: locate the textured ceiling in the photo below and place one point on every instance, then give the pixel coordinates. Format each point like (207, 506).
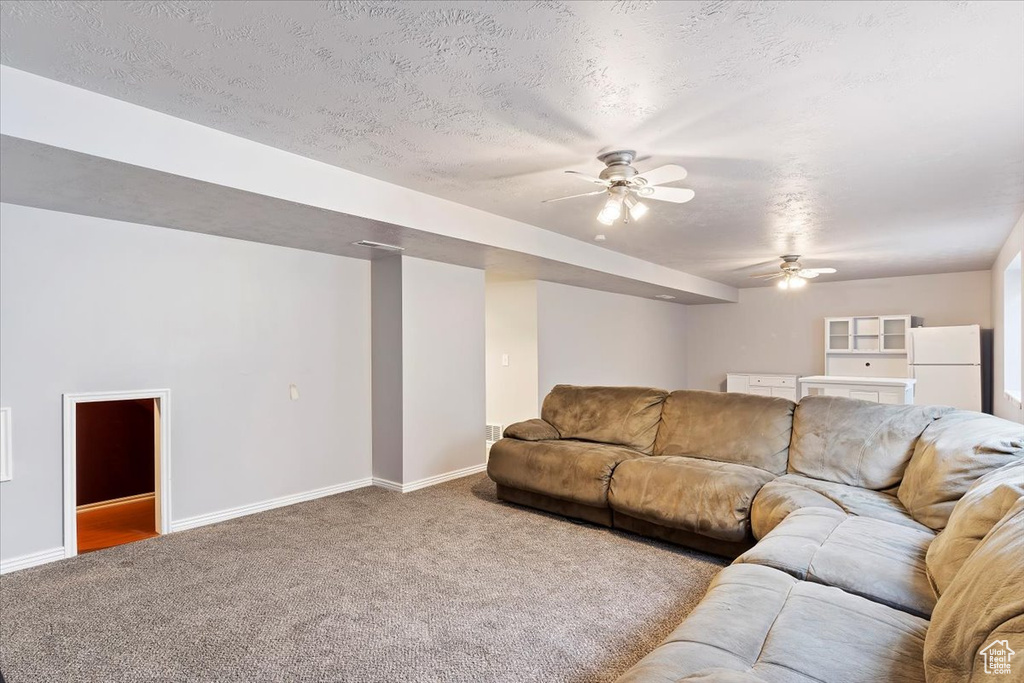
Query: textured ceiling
(880, 138)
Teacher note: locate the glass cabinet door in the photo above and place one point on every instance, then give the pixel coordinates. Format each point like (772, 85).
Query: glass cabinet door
(894, 334)
(839, 334)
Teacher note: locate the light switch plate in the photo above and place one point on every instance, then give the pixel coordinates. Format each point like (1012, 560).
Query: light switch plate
(504, 360)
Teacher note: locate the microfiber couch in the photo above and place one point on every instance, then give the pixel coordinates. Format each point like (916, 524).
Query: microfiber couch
(872, 542)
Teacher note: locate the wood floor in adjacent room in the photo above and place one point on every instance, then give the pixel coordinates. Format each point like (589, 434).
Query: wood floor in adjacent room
(112, 525)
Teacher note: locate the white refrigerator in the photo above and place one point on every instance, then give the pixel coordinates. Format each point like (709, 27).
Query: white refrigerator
(946, 362)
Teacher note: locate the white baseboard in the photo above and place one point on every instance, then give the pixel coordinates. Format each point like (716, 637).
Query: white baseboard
(242, 510)
(31, 560)
(45, 556)
(429, 481)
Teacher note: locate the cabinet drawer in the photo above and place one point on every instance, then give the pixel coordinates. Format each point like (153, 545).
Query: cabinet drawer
(770, 381)
(782, 392)
(760, 391)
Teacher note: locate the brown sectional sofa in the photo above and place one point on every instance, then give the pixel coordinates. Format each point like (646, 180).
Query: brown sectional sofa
(874, 542)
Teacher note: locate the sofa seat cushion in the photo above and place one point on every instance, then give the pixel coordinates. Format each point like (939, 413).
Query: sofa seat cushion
(576, 471)
(623, 416)
(877, 560)
(953, 453)
(701, 496)
(857, 443)
(792, 492)
(740, 428)
(759, 621)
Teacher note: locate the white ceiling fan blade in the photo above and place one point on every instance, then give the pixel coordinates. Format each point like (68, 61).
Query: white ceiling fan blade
(768, 276)
(669, 173)
(819, 271)
(589, 178)
(807, 274)
(574, 196)
(676, 195)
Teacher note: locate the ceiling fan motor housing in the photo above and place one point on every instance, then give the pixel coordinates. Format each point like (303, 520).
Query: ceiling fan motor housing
(618, 166)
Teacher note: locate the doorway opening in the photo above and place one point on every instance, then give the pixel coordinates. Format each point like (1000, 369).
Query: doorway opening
(116, 469)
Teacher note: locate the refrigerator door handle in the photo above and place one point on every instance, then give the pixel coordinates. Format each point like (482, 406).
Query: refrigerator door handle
(910, 349)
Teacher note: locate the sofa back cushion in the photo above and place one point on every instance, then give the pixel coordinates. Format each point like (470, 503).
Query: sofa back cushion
(623, 416)
(954, 452)
(982, 612)
(739, 428)
(984, 504)
(856, 442)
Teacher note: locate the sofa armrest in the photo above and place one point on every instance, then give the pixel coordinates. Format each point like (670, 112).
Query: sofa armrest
(532, 430)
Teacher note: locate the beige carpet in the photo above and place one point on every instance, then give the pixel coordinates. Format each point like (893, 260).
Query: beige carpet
(444, 584)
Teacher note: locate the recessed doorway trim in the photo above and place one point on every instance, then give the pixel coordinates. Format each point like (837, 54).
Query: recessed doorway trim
(162, 481)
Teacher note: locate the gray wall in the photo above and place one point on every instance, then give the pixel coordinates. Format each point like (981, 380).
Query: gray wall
(444, 391)
(590, 337)
(770, 330)
(89, 304)
(1002, 405)
(386, 331)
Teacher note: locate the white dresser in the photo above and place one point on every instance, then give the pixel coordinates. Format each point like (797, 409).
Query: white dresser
(762, 384)
(894, 390)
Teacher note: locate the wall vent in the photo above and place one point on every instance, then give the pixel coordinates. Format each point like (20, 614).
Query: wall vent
(493, 434)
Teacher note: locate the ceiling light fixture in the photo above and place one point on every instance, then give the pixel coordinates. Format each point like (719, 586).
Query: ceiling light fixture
(666, 297)
(792, 281)
(613, 207)
(637, 210)
(625, 186)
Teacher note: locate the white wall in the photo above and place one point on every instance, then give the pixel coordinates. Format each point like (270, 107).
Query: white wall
(444, 390)
(770, 330)
(511, 315)
(1003, 406)
(589, 337)
(89, 304)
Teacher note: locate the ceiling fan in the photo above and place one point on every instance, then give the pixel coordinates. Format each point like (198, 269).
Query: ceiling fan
(625, 186)
(794, 275)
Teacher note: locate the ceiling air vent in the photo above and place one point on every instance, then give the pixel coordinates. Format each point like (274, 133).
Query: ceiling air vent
(378, 245)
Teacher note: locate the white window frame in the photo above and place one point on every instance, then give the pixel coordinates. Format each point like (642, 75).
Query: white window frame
(1012, 295)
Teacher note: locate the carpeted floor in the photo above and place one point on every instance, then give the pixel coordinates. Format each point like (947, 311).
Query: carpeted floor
(443, 584)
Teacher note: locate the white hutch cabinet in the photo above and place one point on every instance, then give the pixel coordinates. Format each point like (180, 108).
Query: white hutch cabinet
(868, 346)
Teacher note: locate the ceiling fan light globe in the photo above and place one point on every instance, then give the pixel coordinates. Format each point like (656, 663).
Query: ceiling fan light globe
(637, 211)
(612, 210)
(798, 282)
(784, 283)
